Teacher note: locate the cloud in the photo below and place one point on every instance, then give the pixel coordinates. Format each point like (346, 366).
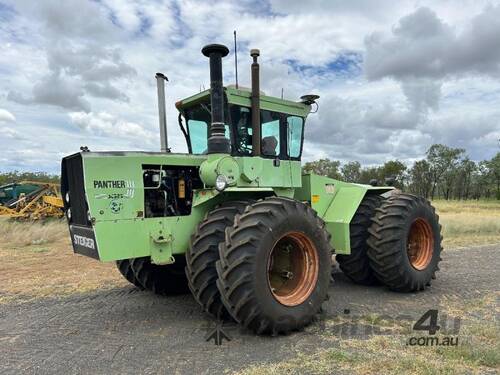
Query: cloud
(107, 125)
(6, 116)
(422, 94)
(424, 46)
(82, 59)
(54, 90)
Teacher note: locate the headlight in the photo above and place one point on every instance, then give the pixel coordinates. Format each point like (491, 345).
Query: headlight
(89, 216)
(66, 197)
(68, 213)
(221, 182)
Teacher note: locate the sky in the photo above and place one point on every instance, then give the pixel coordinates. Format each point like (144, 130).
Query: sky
(394, 77)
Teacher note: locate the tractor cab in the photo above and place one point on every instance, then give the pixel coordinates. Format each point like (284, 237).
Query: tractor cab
(281, 124)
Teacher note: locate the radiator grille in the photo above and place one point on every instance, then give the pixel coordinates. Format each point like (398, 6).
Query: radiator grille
(72, 182)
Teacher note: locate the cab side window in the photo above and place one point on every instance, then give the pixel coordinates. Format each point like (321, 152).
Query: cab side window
(270, 133)
(294, 126)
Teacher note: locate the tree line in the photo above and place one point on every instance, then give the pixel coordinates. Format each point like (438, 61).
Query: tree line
(445, 172)
(16, 176)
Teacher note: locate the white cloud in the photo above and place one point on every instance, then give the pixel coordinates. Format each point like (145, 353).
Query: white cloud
(6, 116)
(107, 125)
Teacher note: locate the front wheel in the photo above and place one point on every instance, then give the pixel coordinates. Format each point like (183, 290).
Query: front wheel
(404, 246)
(274, 266)
(126, 270)
(164, 280)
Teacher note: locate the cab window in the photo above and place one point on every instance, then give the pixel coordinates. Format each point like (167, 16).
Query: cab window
(198, 124)
(198, 134)
(270, 133)
(242, 124)
(294, 131)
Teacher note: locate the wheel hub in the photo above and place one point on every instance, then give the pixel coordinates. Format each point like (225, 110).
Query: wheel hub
(420, 245)
(293, 269)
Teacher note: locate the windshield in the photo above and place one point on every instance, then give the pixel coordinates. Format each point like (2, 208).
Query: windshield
(281, 133)
(198, 124)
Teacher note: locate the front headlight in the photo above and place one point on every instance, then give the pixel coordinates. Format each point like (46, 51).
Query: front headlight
(67, 197)
(221, 182)
(68, 213)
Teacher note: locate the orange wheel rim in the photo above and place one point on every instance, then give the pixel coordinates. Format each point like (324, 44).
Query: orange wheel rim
(292, 269)
(420, 245)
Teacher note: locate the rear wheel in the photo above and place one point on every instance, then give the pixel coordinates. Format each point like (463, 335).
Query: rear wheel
(405, 243)
(203, 252)
(126, 270)
(165, 280)
(356, 265)
(274, 266)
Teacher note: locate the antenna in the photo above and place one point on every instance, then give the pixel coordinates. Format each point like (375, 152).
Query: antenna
(282, 93)
(235, 59)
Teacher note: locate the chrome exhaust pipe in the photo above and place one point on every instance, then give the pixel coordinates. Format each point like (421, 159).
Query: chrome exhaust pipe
(160, 83)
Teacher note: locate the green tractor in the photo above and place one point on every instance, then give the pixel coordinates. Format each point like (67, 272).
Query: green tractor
(235, 221)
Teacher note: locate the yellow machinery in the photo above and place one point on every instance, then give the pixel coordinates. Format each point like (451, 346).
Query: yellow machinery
(31, 200)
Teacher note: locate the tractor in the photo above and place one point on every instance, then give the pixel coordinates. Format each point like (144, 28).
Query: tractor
(235, 221)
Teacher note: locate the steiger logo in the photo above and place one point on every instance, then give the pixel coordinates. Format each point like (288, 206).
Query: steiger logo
(84, 241)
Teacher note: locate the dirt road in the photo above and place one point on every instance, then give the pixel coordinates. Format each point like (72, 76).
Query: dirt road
(124, 330)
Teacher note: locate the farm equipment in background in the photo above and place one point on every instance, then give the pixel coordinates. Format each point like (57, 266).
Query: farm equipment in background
(31, 200)
(235, 221)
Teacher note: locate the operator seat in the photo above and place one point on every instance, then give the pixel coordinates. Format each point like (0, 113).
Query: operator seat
(269, 145)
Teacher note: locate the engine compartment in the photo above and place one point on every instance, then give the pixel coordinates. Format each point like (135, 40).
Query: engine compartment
(168, 190)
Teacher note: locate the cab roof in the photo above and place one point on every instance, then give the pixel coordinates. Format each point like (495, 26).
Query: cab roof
(242, 97)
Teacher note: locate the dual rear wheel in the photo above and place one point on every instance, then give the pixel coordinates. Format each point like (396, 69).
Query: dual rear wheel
(265, 264)
(394, 241)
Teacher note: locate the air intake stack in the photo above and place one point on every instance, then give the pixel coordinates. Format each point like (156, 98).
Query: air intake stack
(217, 142)
(255, 103)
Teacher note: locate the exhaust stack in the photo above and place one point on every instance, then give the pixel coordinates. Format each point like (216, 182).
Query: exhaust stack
(217, 142)
(160, 83)
(255, 103)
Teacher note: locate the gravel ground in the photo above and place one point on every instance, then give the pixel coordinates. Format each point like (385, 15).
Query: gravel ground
(124, 330)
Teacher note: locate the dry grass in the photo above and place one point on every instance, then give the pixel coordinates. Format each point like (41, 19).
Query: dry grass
(469, 223)
(478, 351)
(25, 233)
(36, 260)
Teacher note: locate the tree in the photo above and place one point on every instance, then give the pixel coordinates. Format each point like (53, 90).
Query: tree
(442, 159)
(421, 178)
(368, 174)
(351, 171)
(465, 174)
(494, 172)
(393, 169)
(324, 167)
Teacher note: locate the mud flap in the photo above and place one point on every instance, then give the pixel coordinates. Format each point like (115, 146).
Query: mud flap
(83, 240)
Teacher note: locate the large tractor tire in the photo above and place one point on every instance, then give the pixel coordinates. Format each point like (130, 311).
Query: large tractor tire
(356, 265)
(405, 243)
(164, 280)
(126, 270)
(203, 252)
(274, 267)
